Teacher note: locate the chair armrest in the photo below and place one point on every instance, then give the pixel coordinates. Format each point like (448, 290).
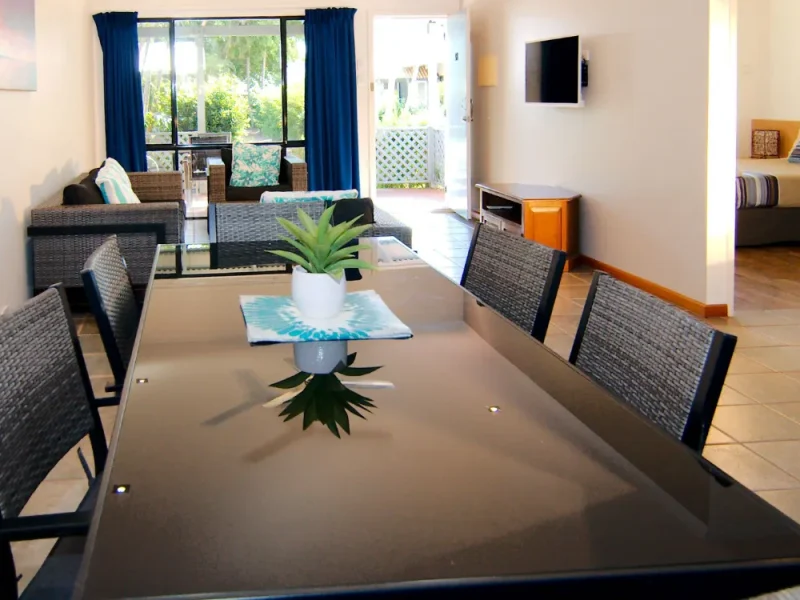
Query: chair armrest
(158, 187)
(42, 527)
(297, 171)
(216, 183)
(108, 219)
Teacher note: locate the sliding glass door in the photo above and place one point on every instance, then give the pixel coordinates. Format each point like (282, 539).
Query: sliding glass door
(207, 83)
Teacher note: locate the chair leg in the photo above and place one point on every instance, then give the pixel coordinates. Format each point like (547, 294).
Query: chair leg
(8, 573)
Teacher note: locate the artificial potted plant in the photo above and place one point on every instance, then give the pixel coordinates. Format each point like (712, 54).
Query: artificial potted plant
(323, 253)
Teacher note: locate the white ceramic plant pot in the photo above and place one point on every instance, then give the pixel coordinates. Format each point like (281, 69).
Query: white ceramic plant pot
(318, 295)
(320, 358)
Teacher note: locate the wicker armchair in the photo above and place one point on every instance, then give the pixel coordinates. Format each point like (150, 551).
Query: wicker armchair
(251, 222)
(293, 178)
(63, 236)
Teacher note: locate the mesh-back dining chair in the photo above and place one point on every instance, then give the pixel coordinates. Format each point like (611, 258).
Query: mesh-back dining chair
(516, 277)
(655, 357)
(46, 408)
(113, 303)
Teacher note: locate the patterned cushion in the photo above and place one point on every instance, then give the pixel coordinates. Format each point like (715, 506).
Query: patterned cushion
(794, 157)
(286, 197)
(112, 165)
(115, 184)
(255, 166)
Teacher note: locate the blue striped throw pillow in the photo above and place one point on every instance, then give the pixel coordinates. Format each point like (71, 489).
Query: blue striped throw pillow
(115, 185)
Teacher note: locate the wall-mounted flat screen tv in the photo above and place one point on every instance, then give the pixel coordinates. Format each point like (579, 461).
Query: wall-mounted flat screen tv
(553, 71)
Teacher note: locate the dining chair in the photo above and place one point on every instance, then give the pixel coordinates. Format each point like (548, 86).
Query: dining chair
(516, 277)
(113, 303)
(653, 356)
(46, 408)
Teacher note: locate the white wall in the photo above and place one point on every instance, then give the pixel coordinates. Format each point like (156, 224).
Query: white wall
(367, 10)
(46, 135)
(769, 79)
(637, 151)
(754, 68)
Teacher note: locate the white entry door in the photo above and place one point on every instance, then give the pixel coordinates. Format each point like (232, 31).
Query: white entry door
(458, 97)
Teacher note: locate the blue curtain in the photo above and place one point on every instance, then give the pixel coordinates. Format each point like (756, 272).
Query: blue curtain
(119, 39)
(331, 111)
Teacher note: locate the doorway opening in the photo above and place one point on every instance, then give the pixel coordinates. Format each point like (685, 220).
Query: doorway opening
(414, 141)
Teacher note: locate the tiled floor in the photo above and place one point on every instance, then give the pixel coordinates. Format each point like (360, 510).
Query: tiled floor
(756, 433)
(756, 429)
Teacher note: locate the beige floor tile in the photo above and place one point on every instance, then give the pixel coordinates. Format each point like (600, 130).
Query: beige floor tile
(97, 364)
(749, 469)
(788, 335)
(790, 314)
(781, 359)
(790, 410)
(560, 343)
(574, 292)
(716, 437)
(28, 558)
(767, 388)
(99, 386)
(576, 279)
(69, 467)
(785, 455)
(731, 397)
(51, 497)
(755, 424)
(760, 318)
(89, 326)
(786, 501)
(752, 337)
(566, 323)
(91, 343)
(566, 307)
(741, 365)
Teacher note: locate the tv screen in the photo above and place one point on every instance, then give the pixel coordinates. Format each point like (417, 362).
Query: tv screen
(552, 71)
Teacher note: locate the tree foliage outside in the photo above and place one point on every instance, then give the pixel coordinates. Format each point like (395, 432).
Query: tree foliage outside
(242, 89)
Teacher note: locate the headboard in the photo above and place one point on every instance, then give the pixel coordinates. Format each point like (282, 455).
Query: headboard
(789, 132)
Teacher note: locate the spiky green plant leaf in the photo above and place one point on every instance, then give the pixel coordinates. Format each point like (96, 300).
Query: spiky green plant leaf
(308, 223)
(351, 263)
(292, 382)
(292, 257)
(324, 224)
(349, 236)
(346, 252)
(302, 235)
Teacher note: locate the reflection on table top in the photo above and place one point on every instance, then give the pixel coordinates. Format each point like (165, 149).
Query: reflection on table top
(488, 458)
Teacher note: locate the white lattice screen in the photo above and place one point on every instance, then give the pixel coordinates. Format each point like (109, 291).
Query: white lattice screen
(403, 155)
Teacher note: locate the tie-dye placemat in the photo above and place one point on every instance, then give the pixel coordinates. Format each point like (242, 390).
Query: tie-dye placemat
(276, 319)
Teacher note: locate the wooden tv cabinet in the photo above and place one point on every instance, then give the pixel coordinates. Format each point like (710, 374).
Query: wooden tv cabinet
(547, 215)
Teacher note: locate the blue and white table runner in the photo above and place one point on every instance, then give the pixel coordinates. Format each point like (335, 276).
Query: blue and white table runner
(365, 316)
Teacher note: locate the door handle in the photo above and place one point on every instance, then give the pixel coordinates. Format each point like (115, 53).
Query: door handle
(471, 117)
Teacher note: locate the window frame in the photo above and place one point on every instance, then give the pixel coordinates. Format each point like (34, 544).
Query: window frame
(177, 148)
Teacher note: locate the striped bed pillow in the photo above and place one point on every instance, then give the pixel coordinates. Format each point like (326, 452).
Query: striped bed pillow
(115, 185)
(794, 156)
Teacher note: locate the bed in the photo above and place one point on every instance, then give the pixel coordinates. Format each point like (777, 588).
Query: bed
(768, 193)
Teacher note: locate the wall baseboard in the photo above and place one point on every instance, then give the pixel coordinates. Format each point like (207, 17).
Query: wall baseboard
(693, 306)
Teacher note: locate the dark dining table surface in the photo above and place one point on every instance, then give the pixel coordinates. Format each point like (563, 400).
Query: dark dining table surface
(490, 465)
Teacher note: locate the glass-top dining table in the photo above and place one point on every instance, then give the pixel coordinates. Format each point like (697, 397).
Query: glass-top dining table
(484, 462)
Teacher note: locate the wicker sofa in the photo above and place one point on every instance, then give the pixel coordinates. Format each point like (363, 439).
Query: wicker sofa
(254, 222)
(293, 178)
(63, 237)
